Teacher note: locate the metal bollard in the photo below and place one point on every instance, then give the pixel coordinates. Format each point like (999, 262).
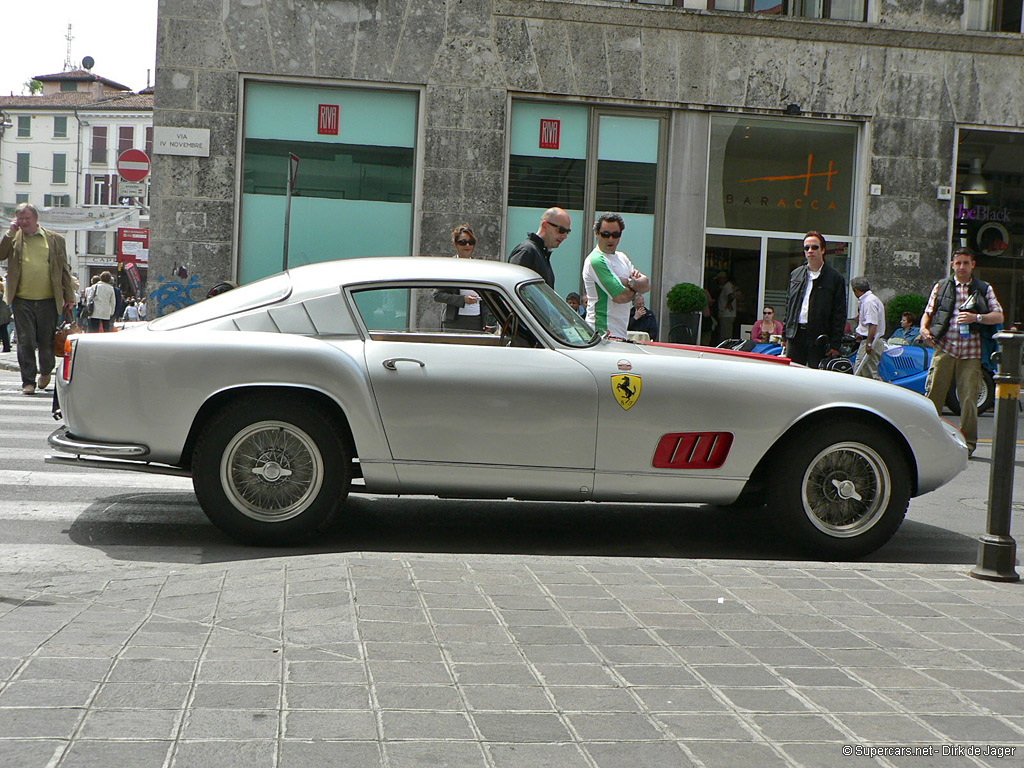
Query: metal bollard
(997, 551)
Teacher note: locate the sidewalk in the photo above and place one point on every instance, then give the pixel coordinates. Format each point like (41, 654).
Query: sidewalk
(385, 659)
(9, 360)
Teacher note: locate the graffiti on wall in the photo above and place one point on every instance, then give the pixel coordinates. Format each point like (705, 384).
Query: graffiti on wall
(172, 293)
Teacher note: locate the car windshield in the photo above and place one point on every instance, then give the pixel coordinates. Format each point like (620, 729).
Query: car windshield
(258, 294)
(558, 318)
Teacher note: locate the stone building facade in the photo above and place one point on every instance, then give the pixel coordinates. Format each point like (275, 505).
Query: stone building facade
(874, 125)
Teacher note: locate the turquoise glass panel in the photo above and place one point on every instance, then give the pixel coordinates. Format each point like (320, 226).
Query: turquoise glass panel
(628, 139)
(384, 309)
(321, 230)
(638, 241)
(526, 119)
(290, 112)
(566, 260)
(369, 159)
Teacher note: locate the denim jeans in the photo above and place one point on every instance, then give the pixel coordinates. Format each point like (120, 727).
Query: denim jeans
(36, 323)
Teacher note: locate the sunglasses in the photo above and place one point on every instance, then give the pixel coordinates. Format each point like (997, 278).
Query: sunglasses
(769, 312)
(610, 235)
(812, 247)
(465, 242)
(561, 230)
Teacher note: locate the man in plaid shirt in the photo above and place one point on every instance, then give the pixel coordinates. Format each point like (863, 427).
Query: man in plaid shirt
(961, 300)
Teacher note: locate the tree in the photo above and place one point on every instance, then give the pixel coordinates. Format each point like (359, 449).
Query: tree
(34, 87)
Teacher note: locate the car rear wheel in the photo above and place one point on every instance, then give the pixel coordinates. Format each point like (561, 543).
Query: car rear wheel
(841, 492)
(986, 394)
(271, 472)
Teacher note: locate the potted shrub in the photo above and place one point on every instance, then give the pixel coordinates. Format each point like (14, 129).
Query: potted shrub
(686, 302)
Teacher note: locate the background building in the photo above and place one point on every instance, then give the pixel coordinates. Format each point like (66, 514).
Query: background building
(59, 150)
(722, 132)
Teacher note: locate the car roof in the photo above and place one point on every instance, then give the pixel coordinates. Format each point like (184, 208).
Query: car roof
(371, 269)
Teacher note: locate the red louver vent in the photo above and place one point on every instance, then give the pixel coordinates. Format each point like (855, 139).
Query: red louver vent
(692, 450)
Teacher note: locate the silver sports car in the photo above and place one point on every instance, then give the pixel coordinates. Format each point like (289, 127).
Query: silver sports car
(282, 396)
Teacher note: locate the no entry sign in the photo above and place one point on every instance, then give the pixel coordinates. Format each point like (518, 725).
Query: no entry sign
(133, 165)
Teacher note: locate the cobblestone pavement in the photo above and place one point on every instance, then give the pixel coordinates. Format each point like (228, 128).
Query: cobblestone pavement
(473, 660)
(440, 660)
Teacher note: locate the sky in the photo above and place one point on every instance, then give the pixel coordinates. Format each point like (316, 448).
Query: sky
(119, 34)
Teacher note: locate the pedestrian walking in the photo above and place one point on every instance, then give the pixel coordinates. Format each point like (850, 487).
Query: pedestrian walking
(5, 319)
(870, 328)
(103, 300)
(39, 288)
(958, 310)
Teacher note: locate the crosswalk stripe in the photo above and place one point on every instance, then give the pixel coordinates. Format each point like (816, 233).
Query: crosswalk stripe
(135, 510)
(98, 478)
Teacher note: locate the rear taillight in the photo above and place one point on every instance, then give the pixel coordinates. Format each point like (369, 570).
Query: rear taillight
(69, 355)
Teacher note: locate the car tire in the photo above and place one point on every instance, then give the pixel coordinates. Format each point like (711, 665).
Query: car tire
(271, 472)
(840, 492)
(986, 395)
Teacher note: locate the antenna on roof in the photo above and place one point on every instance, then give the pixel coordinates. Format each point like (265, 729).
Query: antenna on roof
(68, 63)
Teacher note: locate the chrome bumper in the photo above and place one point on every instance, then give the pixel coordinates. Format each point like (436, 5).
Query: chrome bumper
(60, 440)
(126, 458)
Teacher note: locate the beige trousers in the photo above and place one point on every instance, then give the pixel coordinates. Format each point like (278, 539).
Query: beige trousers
(968, 383)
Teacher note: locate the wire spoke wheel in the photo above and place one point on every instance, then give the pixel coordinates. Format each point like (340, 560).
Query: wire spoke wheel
(845, 489)
(271, 471)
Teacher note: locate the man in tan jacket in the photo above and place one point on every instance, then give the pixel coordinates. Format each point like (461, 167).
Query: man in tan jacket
(39, 288)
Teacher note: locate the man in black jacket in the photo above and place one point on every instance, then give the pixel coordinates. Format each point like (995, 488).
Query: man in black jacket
(815, 305)
(535, 251)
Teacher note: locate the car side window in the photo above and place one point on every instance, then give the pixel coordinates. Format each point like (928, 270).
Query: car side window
(441, 314)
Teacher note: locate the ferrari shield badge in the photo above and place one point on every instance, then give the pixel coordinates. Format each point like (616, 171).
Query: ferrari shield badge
(626, 388)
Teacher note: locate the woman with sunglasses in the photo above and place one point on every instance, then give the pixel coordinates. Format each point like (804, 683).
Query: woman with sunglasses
(767, 326)
(463, 309)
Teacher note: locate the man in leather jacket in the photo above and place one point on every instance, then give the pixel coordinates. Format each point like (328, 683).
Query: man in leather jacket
(535, 251)
(815, 305)
(957, 308)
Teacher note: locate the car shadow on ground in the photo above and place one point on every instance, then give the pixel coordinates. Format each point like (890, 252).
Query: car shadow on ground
(170, 527)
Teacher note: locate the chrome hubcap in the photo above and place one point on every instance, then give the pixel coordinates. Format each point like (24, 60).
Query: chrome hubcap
(846, 489)
(271, 471)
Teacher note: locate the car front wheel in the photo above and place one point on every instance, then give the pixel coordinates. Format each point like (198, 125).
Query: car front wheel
(269, 472)
(841, 492)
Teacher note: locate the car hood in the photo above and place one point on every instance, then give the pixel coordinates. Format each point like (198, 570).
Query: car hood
(689, 350)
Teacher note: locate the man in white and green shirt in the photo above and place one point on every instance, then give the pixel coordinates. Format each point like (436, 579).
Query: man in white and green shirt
(610, 279)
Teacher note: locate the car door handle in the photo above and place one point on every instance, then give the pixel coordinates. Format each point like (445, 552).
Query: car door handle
(392, 362)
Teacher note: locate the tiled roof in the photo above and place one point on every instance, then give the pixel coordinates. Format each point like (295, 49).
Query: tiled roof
(126, 101)
(73, 99)
(63, 100)
(80, 76)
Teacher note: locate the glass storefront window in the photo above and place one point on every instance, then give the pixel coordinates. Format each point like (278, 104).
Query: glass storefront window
(783, 175)
(988, 211)
(355, 183)
(731, 263)
(769, 181)
(555, 161)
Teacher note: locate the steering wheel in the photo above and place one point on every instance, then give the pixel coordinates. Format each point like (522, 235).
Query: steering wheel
(509, 328)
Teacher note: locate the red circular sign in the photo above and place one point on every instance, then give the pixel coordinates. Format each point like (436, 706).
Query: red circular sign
(133, 165)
